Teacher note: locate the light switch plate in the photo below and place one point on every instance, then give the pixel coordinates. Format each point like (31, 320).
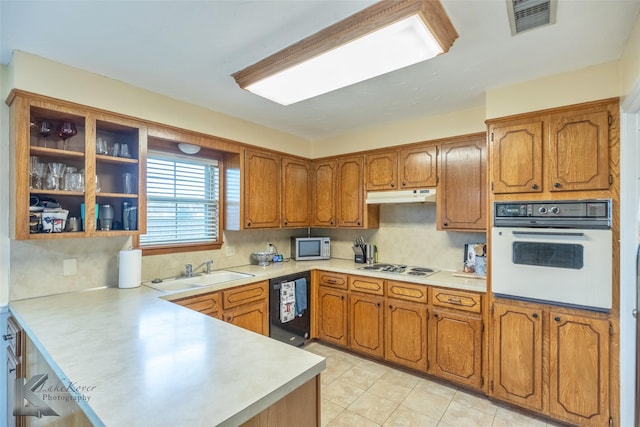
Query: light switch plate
(69, 267)
(229, 250)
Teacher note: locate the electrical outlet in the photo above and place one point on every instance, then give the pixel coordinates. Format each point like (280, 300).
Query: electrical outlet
(229, 250)
(69, 267)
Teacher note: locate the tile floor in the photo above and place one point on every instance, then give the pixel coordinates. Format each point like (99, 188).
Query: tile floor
(358, 392)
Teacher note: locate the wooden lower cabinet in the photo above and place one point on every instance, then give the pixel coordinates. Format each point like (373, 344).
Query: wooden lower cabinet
(455, 347)
(366, 318)
(579, 369)
(332, 315)
(554, 361)
(406, 334)
(253, 317)
(244, 306)
(517, 354)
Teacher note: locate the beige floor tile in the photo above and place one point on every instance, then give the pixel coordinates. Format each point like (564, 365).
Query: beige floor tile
(434, 387)
(337, 366)
(347, 418)
(397, 377)
(360, 377)
(393, 392)
(374, 367)
(476, 402)
(458, 414)
(508, 418)
(328, 411)
(341, 393)
(426, 403)
(405, 417)
(372, 407)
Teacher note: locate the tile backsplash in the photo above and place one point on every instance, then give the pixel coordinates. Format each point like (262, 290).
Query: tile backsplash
(407, 234)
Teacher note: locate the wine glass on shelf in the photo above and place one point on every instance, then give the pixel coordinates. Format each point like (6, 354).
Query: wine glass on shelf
(57, 172)
(66, 130)
(33, 161)
(45, 131)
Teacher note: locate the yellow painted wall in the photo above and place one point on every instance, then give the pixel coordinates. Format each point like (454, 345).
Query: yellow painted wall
(36, 74)
(587, 84)
(403, 132)
(630, 61)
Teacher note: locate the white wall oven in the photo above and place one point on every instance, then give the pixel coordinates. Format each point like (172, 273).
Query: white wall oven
(557, 252)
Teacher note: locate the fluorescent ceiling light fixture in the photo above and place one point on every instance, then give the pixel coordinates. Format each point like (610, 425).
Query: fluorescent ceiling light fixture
(384, 37)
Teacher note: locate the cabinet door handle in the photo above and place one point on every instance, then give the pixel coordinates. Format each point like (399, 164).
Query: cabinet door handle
(557, 319)
(556, 185)
(7, 337)
(229, 318)
(390, 306)
(285, 223)
(446, 224)
(534, 186)
(393, 185)
(435, 315)
(378, 304)
(248, 224)
(342, 297)
(534, 315)
(456, 301)
(404, 184)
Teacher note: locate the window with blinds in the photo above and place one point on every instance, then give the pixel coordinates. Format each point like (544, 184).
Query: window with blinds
(182, 201)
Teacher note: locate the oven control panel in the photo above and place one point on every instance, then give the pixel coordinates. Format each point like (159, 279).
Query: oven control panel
(557, 213)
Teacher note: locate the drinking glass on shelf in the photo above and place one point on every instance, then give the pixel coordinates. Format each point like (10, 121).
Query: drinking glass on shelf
(124, 150)
(66, 130)
(40, 169)
(57, 172)
(101, 146)
(33, 161)
(98, 187)
(68, 177)
(45, 131)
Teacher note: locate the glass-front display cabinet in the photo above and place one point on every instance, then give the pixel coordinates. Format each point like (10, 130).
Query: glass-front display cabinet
(75, 171)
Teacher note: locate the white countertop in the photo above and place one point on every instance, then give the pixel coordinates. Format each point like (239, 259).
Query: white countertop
(154, 363)
(142, 354)
(443, 278)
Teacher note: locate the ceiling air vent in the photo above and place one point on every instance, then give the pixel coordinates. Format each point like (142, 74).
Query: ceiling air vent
(528, 14)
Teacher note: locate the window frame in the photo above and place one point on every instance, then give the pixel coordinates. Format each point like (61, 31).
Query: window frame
(205, 154)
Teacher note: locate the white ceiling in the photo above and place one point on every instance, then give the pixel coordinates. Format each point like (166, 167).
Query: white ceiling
(189, 49)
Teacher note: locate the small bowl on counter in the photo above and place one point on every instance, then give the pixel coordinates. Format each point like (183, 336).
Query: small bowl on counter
(263, 258)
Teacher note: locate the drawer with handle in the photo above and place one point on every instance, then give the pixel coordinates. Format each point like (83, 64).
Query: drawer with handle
(407, 291)
(208, 303)
(240, 295)
(368, 285)
(334, 280)
(460, 300)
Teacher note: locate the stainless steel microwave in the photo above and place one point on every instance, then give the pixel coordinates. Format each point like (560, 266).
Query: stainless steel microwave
(310, 248)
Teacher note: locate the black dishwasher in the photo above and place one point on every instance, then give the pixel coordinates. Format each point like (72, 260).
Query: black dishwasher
(294, 330)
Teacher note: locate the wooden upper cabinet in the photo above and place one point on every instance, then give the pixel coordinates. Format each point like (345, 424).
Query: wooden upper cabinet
(579, 369)
(579, 151)
(462, 196)
(296, 203)
(351, 208)
(381, 171)
(28, 112)
(516, 375)
(323, 193)
(417, 167)
(262, 189)
(516, 158)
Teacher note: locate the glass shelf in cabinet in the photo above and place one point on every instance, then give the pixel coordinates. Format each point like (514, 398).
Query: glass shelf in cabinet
(113, 159)
(54, 152)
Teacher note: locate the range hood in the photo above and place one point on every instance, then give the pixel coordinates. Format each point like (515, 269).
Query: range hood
(425, 195)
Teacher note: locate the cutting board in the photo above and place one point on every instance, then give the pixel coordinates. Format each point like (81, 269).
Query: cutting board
(467, 275)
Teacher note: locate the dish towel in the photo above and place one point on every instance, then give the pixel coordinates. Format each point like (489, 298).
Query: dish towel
(287, 301)
(301, 296)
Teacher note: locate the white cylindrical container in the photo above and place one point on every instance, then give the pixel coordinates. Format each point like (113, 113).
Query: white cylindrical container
(130, 268)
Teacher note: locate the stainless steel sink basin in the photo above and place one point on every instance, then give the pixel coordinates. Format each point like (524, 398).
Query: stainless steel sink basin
(197, 281)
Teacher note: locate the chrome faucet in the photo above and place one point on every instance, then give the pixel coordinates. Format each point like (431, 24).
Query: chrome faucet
(189, 270)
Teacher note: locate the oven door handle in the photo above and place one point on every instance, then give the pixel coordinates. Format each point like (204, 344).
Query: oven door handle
(546, 233)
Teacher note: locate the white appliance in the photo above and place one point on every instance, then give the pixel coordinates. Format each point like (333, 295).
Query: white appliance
(425, 195)
(557, 252)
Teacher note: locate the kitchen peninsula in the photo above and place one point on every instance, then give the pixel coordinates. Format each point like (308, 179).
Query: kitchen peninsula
(148, 361)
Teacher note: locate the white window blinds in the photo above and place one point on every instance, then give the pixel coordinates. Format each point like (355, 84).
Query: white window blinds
(182, 201)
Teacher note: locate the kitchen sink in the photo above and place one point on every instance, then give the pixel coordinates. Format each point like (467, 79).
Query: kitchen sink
(197, 281)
